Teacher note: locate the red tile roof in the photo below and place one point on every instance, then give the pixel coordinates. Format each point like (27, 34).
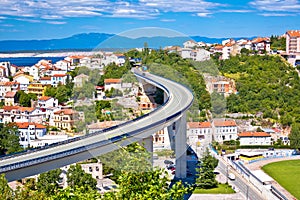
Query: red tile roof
(10, 94)
(44, 98)
(46, 78)
(66, 112)
(259, 40)
(59, 75)
(219, 47)
(111, 80)
(22, 109)
(224, 123)
(254, 134)
(11, 83)
(295, 33)
(199, 125)
(26, 124)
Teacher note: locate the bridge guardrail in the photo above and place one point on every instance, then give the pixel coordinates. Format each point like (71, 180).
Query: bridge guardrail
(90, 146)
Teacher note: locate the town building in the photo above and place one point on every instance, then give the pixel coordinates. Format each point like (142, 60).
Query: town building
(161, 140)
(293, 47)
(29, 132)
(254, 138)
(10, 98)
(37, 88)
(198, 132)
(10, 114)
(80, 80)
(112, 83)
(224, 130)
(58, 79)
(65, 119)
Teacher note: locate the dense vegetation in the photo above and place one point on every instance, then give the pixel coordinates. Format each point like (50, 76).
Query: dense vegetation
(9, 139)
(278, 43)
(265, 84)
(206, 177)
(136, 179)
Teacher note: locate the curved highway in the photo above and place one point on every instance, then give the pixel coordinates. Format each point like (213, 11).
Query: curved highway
(38, 161)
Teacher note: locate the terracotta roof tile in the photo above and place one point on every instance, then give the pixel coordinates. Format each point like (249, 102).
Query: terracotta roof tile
(111, 80)
(254, 134)
(224, 123)
(10, 94)
(199, 125)
(26, 124)
(66, 112)
(44, 98)
(59, 75)
(45, 78)
(294, 33)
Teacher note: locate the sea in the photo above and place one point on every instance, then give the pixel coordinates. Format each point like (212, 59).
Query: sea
(28, 61)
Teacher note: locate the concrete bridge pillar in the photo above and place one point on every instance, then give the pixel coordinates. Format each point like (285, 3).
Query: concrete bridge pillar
(148, 144)
(180, 147)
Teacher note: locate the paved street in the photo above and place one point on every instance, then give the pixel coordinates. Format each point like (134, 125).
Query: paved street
(242, 185)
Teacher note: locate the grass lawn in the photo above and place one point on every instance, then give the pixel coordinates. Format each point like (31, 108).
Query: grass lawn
(221, 189)
(287, 174)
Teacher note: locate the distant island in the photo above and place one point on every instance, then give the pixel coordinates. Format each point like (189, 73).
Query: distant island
(92, 41)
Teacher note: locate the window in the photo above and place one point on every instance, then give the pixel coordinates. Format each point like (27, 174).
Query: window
(97, 168)
(90, 169)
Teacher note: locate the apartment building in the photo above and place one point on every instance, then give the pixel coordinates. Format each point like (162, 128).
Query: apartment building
(225, 130)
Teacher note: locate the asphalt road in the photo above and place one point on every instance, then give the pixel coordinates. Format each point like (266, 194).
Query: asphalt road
(240, 183)
(180, 99)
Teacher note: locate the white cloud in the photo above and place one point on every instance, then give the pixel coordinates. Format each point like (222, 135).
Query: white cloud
(276, 5)
(57, 9)
(56, 22)
(168, 20)
(277, 14)
(203, 14)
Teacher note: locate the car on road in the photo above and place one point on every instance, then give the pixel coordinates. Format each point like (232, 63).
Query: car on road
(231, 176)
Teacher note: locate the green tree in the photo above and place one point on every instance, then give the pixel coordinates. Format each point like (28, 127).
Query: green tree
(48, 181)
(25, 99)
(206, 177)
(137, 179)
(5, 191)
(9, 139)
(295, 136)
(78, 178)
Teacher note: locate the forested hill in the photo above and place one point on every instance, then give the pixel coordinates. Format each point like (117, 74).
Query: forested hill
(265, 84)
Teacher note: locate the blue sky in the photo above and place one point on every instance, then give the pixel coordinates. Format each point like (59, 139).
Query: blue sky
(48, 19)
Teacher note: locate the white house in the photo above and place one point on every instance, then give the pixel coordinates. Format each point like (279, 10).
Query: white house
(24, 81)
(80, 79)
(30, 132)
(46, 102)
(57, 79)
(190, 44)
(63, 65)
(46, 80)
(197, 132)
(255, 138)
(33, 71)
(10, 114)
(224, 130)
(112, 83)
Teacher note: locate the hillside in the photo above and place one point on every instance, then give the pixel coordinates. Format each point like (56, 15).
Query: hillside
(265, 84)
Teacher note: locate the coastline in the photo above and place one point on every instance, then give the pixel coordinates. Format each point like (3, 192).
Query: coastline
(48, 54)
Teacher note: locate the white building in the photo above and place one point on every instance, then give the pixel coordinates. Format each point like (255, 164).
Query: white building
(190, 44)
(57, 79)
(30, 132)
(112, 83)
(198, 132)
(161, 140)
(255, 138)
(10, 114)
(80, 79)
(224, 130)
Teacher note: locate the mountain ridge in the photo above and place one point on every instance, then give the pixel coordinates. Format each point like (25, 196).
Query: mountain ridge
(99, 41)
